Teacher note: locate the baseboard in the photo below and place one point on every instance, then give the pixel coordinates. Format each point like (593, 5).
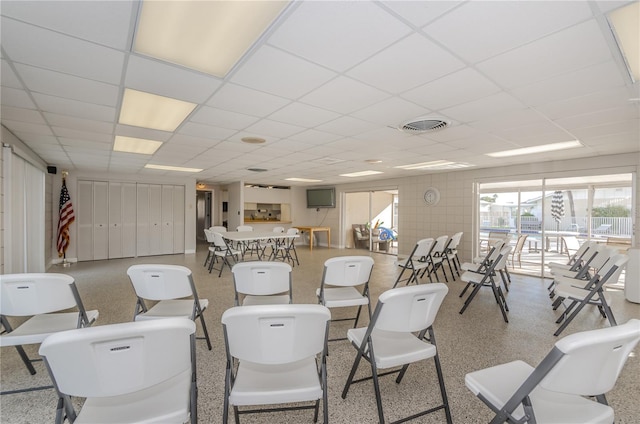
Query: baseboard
(60, 260)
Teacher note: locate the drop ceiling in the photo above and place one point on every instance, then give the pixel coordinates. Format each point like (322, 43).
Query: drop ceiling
(326, 86)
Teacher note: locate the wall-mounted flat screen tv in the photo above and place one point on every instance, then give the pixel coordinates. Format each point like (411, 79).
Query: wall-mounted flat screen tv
(321, 197)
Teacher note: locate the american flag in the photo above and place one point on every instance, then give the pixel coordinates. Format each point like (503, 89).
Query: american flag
(66, 217)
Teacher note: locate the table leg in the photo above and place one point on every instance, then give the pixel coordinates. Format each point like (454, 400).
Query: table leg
(310, 240)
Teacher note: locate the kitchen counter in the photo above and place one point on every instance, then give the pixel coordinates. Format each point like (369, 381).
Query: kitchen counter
(265, 221)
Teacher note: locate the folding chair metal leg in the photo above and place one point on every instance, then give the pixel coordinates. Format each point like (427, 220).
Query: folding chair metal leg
(25, 359)
(204, 330)
(468, 300)
(581, 304)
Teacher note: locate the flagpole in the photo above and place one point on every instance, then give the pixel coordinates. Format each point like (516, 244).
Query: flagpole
(65, 263)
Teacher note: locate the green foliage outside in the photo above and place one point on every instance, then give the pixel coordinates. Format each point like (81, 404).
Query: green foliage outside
(617, 211)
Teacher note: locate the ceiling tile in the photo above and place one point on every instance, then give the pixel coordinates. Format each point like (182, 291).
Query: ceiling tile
(50, 50)
(245, 100)
(406, 64)
(483, 108)
(330, 96)
(303, 115)
(276, 72)
(222, 118)
(338, 35)
(104, 22)
(569, 50)
(75, 108)
(520, 23)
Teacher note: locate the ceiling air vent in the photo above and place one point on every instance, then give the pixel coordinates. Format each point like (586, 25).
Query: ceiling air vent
(417, 126)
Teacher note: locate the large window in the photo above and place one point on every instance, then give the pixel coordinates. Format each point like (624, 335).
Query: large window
(553, 214)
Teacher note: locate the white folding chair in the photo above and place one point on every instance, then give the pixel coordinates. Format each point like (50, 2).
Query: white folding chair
(579, 366)
(340, 279)
(436, 257)
(487, 279)
(272, 243)
(451, 254)
(416, 263)
(218, 229)
(212, 246)
(43, 298)
(575, 262)
(225, 252)
(262, 283)
(577, 296)
(135, 372)
(400, 333)
(248, 246)
(174, 290)
(286, 248)
(276, 354)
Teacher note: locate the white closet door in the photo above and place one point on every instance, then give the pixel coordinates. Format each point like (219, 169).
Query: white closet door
(167, 219)
(155, 219)
(100, 220)
(142, 220)
(84, 219)
(128, 220)
(115, 220)
(178, 219)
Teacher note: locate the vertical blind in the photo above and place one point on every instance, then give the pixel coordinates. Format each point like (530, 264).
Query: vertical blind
(23, 215)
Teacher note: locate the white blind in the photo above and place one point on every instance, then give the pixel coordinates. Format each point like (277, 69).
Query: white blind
(24, 215)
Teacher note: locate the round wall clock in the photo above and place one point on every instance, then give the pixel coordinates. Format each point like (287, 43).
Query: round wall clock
(431, 196)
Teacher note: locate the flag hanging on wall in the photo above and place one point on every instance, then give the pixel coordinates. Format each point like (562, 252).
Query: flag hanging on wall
(66, 217)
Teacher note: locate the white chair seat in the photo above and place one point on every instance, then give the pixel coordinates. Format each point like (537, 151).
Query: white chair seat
(568, 291)
(416, 264)
(159, 400)
(342, 296)
(175, 308)
(393, 348)
(272, 384)
(38, 327)
(280, 299)
(472, 277)
(498, 384)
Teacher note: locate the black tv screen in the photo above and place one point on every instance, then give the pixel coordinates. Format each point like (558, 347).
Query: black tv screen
(321, 197)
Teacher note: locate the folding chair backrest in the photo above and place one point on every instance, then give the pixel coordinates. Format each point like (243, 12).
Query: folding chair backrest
(455, 240)
(209, 235)
(275, 334)
(161, 282)
(117, 359)
(218, 241)
(218, 229)
(441, 243)
(278, 230)
(495, 251)
(410, 308)
(261, 278)
(501, 261)
(611, 270)
(347, 270)
(293, 231)
(422, 249)
(244, 228)
(604, 254)
(592, 360)
(34, 294)
(581, 251)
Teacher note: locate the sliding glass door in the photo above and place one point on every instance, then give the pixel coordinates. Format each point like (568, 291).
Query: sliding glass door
(370, 219)
(553, 216)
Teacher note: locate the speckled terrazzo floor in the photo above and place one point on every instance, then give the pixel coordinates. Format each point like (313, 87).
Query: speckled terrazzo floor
(474, 340)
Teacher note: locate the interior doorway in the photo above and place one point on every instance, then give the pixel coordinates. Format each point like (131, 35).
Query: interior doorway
(371, 221)
(203, 212)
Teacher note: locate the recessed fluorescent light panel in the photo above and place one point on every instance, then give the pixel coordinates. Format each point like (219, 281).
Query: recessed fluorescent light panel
(537, 149)
(361, 174)
(435, 164)
(172, 168)
(209, 36)
(302, 180)
(626, 27)
(148, 110)
(135, 145)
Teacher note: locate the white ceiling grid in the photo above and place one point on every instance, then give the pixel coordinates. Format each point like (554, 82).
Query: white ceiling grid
(326, 87)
